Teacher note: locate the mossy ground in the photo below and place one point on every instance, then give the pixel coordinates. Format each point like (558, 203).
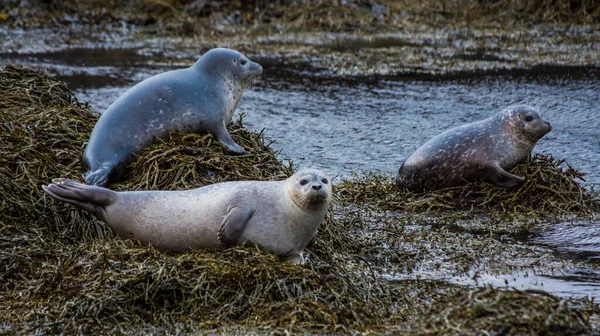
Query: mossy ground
(62, 271)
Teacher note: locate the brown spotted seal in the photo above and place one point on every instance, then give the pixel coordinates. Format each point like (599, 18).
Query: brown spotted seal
(480, 150)
(199, 99)
(282, 216)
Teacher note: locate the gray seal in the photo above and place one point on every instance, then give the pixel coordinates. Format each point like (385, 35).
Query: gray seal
(282, 216)
(481, 150)
(198, 99)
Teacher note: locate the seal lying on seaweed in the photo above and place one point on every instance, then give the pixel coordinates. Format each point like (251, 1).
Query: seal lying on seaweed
(282, 216)
(200, 99)
(480, 150)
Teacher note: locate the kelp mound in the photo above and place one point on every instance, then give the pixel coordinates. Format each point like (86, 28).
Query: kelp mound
(184, 161)
(43, 132)
(489, 311)
(551, 190)
(63, 271)
(119, 285)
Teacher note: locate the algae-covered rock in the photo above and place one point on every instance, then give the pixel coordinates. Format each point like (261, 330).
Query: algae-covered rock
(552, 189)
(489, 311)
(43, 132)
(122, 285)
(185, 161)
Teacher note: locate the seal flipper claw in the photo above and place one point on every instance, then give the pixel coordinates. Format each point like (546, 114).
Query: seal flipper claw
(98, 177)
(234, 224)
(236, 149)
(502, 178)
(296, 259)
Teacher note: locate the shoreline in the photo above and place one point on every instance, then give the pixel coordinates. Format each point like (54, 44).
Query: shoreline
(359, 39)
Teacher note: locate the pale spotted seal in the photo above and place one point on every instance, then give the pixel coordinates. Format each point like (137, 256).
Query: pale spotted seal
(199, 99)
(282, 216)
(480, 150)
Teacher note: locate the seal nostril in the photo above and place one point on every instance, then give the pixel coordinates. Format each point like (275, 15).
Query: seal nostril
(317, 187)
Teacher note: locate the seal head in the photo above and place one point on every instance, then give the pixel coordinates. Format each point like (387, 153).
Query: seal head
(232, 66)
(525, 122)
(310, 189)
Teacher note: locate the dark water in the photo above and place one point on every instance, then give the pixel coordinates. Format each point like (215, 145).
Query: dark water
(352, 125)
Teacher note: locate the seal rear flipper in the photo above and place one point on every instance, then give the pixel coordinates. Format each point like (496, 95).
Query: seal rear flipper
(501, 177)
(89, 198)
(234, 224)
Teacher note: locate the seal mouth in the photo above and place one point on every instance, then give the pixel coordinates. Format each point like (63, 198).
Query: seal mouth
(320, 197)
(311, 202)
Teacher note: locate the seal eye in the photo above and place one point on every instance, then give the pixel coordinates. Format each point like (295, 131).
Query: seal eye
(303, 182)
(243, 62)
(325, 181)
(528, 118)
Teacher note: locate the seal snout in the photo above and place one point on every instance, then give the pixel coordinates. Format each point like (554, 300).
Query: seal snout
(258, 69)
(317, 193)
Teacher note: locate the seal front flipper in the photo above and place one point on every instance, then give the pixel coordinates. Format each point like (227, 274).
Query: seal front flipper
(295, 259)
(224, 138)
(98, 177)
(89, 198)
(501, 177)
(234, 224)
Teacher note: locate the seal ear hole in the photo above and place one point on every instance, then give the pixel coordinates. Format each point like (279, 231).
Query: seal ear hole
(234, 61)
(303, 182)
(528, 118)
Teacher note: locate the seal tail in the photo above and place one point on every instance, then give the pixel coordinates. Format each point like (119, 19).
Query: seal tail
(89, 198)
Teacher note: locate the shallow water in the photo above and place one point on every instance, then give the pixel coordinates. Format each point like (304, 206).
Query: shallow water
(352, 125)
